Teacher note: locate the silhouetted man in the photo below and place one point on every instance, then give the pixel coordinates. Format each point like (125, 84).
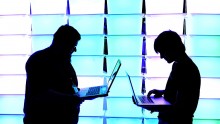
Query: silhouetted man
(183, 85)
(49, 96)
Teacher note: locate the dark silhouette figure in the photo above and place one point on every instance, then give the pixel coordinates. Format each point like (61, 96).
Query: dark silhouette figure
(49, 96)
(183, 85)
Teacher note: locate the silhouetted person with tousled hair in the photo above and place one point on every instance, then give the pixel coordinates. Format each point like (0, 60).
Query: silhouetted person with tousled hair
(183, 86)
(49, 96)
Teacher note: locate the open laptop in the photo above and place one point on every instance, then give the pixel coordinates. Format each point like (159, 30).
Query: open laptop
(148, 102)
(100, 91)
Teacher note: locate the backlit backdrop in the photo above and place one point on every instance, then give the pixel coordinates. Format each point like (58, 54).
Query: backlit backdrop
(111, 30)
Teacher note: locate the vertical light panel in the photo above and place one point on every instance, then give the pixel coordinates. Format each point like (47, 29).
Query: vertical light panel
(208, 66)
(88, 65)
(8, 7)
(12, 84)
(203, 24)
(124, 24)
(13, 64)
(15, 44)
(122, 107)
(124, 45)
(19, 24)
(45, 24)
(48, 6)
(154, 25)
(90, 45)
(203, 45)
(124, 6)
(87, 24)
(157, 67)
(203, 6)
(41, 42)
(164, 6)
(87, 6)
(131, 64)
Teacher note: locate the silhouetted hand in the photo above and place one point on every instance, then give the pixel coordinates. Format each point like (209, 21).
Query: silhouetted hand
(157, 93)
(77, 100)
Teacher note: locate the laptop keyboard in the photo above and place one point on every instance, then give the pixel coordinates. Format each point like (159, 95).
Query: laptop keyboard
(145, 99)
(93, 91)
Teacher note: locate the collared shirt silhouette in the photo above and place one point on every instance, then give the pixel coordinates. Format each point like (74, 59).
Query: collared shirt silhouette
(183, 85)
(49, 96)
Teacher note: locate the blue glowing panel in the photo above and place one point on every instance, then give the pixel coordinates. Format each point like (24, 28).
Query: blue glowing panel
(125, 45)
(122, 88)
(208, 109)
(12, 84)
(164, 6)
(15, 45)
(155, 26)
(208, 66)
(48, 6)
(92, 6)
(14, 25)
(124, 121)
(118, 107)
(203, 46)
(87, 24)
(90, 120)
(87, 65)
(8, 106)
(13, 64)
(127, 65)
(210, 84)
(41, 42)
(203, 25)
(45, 24)
(204, 6)
(90, 45)
(92, 107)
(150, 45)
(124, 6)
(157, 67)
(11, 119)
(14, 7)
(124, 24)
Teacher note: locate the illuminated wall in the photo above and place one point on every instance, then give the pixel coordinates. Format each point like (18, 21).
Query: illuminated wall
(111, 30)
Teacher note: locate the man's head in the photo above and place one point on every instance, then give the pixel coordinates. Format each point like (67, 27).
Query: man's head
(169, 45)
(65, 39)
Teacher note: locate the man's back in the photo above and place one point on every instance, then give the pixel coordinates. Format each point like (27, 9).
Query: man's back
(182, 90)
(45, 72)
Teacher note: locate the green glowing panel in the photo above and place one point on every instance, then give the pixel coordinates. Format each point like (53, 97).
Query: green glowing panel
(41, 42)
(203, 25)
(125, 45)
(124, 6)
(90, 120)
(87, 24)
(208, 66)
(124, 24)
(124, 121)
(203, 46)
